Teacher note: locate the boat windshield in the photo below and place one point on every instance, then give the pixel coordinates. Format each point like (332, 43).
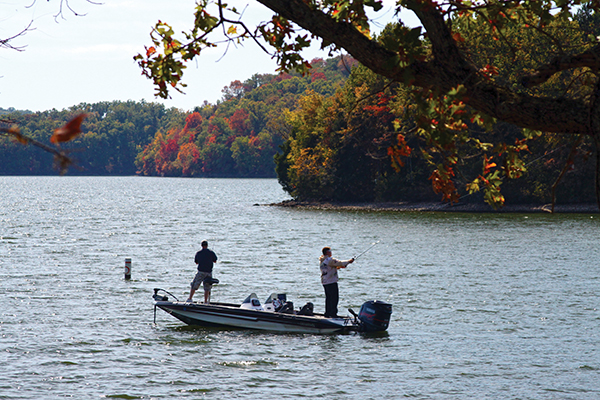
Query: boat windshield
(249, 298)
(274, 297)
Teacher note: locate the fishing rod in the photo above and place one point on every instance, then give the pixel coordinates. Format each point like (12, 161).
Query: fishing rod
(370, 247)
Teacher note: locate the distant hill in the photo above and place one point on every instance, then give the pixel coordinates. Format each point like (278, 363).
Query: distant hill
(236, 137)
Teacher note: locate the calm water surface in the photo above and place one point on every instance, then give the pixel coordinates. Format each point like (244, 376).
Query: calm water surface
(485, 306)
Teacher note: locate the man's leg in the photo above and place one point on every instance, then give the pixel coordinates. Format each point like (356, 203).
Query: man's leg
(207, 286)
(335, 294)
(331, 299)
(198, 280)
(327, 301)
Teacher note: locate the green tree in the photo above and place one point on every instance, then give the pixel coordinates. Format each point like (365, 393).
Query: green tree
(112, 136)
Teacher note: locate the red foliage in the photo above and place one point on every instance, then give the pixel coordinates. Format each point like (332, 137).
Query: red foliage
(382, 113)
(234, 90)
(282, 77)
(167, 154)
(317, 76)
(240, 122)
(169, 149)
(397, 152)
(193, 122)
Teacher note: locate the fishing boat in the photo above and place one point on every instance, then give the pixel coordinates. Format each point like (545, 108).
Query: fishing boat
(276, 315)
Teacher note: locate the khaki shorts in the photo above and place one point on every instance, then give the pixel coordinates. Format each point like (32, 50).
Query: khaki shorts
(199, 279)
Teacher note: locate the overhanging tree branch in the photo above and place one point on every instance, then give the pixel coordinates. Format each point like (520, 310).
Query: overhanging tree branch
(589, 59)
(448, 68)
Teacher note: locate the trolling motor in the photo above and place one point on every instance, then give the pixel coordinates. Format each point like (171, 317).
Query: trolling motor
(159, 297)
(374, 316)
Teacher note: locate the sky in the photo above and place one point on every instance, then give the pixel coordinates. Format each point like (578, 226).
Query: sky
(73, 59)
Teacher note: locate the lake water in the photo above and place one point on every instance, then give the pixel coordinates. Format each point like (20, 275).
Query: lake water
(485, 306)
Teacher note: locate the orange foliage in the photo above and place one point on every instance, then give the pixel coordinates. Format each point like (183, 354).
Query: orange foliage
(398, 151)
(488, 165)
(441, 181)
(212, 139)
(188, 157)
(68, 131)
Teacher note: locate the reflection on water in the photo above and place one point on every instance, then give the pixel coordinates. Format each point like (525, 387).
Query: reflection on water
(485, 306)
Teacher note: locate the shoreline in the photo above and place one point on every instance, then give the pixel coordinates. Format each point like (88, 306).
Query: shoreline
(402, 206)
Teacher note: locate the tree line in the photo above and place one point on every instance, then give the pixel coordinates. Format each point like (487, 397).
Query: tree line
(236, 137)
(113, 135)
(240, 135)
(341, 133)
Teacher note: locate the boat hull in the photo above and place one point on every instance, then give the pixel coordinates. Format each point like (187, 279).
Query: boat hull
(232, 316)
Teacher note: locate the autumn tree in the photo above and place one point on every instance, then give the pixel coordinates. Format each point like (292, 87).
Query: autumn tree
(453, 86)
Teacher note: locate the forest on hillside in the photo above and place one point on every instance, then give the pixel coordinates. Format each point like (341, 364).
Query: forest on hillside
(237, 137)
(341, 133)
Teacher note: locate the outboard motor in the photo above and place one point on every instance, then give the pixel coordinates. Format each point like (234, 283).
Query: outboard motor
(375, 315)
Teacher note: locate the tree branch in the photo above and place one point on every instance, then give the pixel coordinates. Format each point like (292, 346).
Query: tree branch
(62, 161)
(589, 58)
(6, 42)
(448, 68)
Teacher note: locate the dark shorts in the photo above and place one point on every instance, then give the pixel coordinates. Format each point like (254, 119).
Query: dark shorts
(199, 279)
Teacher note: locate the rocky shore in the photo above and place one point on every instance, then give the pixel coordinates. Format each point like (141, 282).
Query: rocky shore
(441, 207)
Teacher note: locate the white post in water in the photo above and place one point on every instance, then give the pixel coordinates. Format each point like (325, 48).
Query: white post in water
(127, 268)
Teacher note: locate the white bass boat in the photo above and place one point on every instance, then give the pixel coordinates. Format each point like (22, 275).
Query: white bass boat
(277, 315)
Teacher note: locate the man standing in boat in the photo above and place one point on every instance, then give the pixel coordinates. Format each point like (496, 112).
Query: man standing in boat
(205, 259)
(329, 279)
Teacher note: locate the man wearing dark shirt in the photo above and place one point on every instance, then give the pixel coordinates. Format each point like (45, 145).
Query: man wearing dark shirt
(205, 259)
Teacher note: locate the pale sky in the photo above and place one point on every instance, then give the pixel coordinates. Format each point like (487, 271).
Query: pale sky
(89, 58)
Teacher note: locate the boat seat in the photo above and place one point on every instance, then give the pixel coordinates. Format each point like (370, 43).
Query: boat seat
(307, 309)
(288, 308)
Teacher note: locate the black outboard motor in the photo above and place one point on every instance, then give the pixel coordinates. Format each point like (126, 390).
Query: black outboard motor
(375, 315)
